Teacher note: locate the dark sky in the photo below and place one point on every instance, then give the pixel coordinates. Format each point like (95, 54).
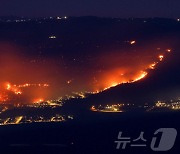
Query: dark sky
(108, 8)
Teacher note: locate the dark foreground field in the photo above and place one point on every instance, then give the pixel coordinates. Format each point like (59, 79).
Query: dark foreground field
(92, 133)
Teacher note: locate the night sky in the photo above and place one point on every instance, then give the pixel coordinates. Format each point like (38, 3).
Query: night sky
(104, 8)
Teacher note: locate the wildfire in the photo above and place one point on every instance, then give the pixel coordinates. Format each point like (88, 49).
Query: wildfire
(13, 89)
(142, 74)
(161, 57)
(152, 66)
(3, 97)
(32, 85)
(39, 100)
(17, 90)
(110, 69)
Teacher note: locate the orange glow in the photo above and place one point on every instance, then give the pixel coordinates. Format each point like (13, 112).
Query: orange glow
(119, 76)
(13, 89)
(32, 85)
(3, 97)
(105, 70)
(142, 75)
(9, 91)
(161, 57)
(93, 108)
(39, 100)
(152, 66)
(114, 84)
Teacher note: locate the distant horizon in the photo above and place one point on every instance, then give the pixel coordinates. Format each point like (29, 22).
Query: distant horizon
(155, 17)
(102, 8)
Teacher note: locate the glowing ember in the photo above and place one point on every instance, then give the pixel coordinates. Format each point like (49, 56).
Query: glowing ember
(13, 89)
(9, 91)
(114, 84)
(39, 100)
(32, 85)
(142, 75)
(18, 93)
(8, 86)
(161, 57)
(152, 66)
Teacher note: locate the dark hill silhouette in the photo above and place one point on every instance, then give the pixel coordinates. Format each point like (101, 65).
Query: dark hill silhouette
(161, 83)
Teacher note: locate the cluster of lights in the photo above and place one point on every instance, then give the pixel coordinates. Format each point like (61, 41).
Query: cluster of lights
(38, 20)
(173, 105)
(107, 108)
(24, 119)
(59, 18)
(75, 95)
(3, 97)
(162, 104)
(14, 89)
(52, 37)
(42, 104)
(31, 85)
